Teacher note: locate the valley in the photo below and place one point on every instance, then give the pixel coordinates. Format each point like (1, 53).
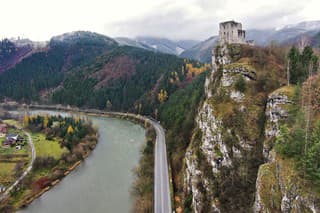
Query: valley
(234, 122)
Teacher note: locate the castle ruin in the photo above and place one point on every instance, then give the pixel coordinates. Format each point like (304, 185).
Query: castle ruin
(231, 32)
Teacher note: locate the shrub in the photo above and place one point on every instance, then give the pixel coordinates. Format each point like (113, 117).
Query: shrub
(241, 84)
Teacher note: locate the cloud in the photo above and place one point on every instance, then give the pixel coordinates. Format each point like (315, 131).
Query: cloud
(176, 19)
(198, 19)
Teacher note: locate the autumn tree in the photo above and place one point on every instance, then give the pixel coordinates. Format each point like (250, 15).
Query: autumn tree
(70, 130)
(162, 96)
(25, 120)
(45, 122)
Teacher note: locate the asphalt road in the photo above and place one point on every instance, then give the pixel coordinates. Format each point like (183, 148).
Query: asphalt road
(33, 157)
(162, 200)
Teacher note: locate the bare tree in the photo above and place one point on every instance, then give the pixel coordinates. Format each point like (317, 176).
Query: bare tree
(308, 108)
(303, 42)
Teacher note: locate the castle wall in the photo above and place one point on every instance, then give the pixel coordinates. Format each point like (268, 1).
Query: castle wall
(231, 32)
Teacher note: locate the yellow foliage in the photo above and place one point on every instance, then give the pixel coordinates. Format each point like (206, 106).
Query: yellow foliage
(162, 96)
(25, 120)
(174, 77)
(76, 119)
(45, 122)
(195, 71)
(70, 130)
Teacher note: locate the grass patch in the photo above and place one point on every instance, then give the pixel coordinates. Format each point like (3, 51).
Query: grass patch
(43, 172)
(286, 90)
(47, 148)
(270, 189)
(12, 123)
(6, 173)
(234, 66)
(12, 150)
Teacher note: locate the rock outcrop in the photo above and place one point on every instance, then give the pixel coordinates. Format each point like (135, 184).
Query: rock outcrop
(279, 187)
(231, 164)
(218, 144)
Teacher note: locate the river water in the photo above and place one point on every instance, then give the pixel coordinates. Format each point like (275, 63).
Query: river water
(103, 181)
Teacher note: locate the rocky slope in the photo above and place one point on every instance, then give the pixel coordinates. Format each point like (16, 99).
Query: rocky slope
(226, 149)
(231, 164)
(279, 186)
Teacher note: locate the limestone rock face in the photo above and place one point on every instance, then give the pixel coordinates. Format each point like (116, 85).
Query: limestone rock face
(278, 187)
(275, 113)
(211, 148)
(235, 133)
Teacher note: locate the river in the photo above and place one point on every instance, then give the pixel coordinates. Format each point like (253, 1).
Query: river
(103, 181)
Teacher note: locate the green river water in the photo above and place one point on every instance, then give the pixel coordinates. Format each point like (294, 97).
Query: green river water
(102, 183)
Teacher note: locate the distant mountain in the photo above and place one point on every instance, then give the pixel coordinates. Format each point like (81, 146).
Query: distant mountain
(167, 46)
(202, 51)
(27, 42)
(306, 26)
(123, 41)
(260, 37)
(285, 34)
(83, 37)
(315, 40)
(80, 47)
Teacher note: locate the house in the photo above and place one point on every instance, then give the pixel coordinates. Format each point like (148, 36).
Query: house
(12, 139)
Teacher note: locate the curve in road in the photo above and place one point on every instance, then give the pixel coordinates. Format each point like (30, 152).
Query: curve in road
(162, 199)
(24, 174)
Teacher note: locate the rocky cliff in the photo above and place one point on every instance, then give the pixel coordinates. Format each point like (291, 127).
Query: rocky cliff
(279, 186)
(223, 157)
(231, 164)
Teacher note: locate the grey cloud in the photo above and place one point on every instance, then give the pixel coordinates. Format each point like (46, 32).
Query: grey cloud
(176, 23)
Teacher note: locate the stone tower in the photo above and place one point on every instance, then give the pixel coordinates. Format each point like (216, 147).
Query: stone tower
(230, 32)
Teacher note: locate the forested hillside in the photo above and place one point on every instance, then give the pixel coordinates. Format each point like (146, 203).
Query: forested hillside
(10, 54)
(85, 69)
(46, 70)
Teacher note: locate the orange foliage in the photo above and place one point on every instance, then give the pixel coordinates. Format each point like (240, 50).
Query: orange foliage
(195, 71)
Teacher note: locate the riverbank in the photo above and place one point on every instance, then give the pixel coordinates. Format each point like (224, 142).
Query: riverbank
(28, 201)
(143, 184)
(75, 134)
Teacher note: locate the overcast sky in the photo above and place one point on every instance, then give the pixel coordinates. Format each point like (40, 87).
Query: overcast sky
(174, 19)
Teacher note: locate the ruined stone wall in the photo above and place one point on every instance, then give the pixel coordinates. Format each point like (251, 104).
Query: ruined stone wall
(231, 33)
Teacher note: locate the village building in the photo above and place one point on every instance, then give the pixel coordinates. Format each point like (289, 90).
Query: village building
(12, 140)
